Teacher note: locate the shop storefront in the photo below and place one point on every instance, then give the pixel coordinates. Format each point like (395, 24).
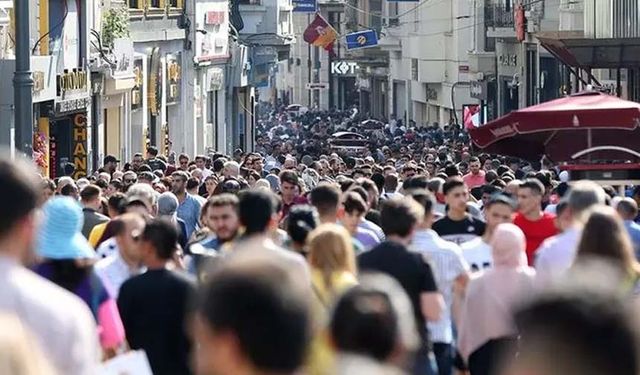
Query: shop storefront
(69, 134)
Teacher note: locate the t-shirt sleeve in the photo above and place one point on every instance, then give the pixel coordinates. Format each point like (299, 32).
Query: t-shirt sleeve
(428, 281)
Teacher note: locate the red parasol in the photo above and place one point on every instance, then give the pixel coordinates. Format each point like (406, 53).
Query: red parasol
(588, 124)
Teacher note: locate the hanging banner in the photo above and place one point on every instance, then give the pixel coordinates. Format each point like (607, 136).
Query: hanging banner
(155, 83)
(80, 145)
(174, 78)
(362, 39)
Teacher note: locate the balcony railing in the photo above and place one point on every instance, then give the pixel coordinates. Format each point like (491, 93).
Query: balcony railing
(496, 15)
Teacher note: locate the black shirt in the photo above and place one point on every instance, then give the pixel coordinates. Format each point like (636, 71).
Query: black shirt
(408, 268)
(459, 231)
(154, 308)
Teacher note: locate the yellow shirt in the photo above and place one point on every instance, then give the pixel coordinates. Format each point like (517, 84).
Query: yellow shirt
(96, 234)
(321, 356)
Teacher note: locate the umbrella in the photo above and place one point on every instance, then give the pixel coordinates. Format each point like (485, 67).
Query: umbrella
(588, 125)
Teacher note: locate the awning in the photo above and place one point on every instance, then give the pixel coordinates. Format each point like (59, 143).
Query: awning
(573, 49)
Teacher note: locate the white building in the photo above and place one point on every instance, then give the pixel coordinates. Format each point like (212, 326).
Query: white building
(428, 64)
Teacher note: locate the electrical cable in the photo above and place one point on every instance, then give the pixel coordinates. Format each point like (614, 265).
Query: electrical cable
(59, 24)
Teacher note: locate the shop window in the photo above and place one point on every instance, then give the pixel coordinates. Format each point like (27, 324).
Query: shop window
(176, 3)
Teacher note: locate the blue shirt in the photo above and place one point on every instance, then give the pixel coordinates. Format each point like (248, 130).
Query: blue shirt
(189, 212)
(634, 232)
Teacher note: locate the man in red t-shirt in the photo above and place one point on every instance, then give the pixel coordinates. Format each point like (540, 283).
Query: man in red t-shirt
(536, 225)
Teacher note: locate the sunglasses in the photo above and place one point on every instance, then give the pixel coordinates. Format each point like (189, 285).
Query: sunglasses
(129, 180)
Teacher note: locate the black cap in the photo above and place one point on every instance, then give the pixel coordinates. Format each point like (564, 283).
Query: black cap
(110, 159)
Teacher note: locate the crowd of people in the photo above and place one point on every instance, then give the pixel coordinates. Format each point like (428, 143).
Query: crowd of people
(416, 257)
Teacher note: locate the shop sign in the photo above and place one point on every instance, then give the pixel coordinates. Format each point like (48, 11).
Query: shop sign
(38, 81)
(155, 77)
(72, 82)
(214, 18)
(123, 53)
(72, 105)
(317, 85)
(478, 90)
(304, 6)
(344, 67)
(174, 78)
(138, 88)
(53, 157)
(80, 145)
(508, 60)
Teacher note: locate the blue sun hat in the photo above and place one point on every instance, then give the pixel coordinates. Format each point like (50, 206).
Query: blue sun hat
(60, 235)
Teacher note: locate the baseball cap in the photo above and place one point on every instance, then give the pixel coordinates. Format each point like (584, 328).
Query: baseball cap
(111, 159)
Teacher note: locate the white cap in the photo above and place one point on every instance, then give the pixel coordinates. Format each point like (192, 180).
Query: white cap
(564, 176)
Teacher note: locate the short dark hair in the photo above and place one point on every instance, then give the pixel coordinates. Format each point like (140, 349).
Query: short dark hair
(416, 182)
(425, 198)
(153, 150)
(289, 177)
(452, 184)
(370, 330)
(221, 200)
(256, 209)
(192, 183)
(20, 192)
(301, 221)
(474, 159)
(90, 192)
(117, 202)
(183, 156)
(218, 165)
(353, 203)
(163, 236)
(260, 303)
(534, 185)
(399, 216)
(500, 198)
(574, 324)
(325, 198)
(362, 192)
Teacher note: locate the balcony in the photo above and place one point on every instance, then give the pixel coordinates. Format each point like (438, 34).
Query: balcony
(499, 20)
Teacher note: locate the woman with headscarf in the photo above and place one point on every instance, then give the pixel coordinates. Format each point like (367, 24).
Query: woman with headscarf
(66, 259)
(485, 327)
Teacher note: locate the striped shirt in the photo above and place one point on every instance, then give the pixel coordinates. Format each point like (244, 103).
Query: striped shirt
(447, 263)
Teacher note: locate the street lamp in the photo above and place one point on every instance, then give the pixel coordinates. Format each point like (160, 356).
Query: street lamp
(23, 82)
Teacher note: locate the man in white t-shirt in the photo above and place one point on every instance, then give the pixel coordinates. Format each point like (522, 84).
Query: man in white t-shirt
(477, 252)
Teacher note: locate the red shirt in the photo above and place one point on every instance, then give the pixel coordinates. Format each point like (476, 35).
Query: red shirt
(536, 231)
(473, 181)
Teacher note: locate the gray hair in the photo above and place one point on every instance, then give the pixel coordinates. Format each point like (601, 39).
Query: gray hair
(583, 196)
(145, 191)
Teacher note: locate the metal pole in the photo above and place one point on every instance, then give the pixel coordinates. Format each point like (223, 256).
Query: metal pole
(309, 65)
(22, 82)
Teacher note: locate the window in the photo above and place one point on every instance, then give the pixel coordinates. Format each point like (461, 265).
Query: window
(136, 4)
(414, 69)
(176, 3)
(249, 2)
(154, 3)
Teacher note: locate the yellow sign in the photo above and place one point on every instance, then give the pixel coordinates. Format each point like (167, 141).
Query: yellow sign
(72, 81)
(80, 145)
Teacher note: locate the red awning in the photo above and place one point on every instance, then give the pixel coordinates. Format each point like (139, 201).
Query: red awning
(589, 124)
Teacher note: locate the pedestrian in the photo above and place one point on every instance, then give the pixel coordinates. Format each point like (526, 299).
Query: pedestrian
(189, 207)
(556, 254)
(302, 220)
(259, 217)
(536, 224)
(458, 225)
(354, 211)
(125, 261)
(167, 208)
(373, 328)
(485, 327)
(499, 209)
(155, 305)
(451, 274)
(90, 197)
(399, 219)
(604, 239)
(67, 259)
(72, 343)
(269, 337)
(476, 176)
(18, 354)
(627, 208)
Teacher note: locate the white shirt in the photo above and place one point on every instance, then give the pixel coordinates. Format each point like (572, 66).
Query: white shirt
(556, 254)
(61, 322)
(447, 263)
(107, 248)
(478, 254)
(114, 271)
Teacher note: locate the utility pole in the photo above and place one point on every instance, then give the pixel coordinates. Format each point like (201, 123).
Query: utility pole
(23, 82)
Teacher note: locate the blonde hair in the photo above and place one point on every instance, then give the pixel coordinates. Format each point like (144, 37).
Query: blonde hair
(19, 354)
(331, 251)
